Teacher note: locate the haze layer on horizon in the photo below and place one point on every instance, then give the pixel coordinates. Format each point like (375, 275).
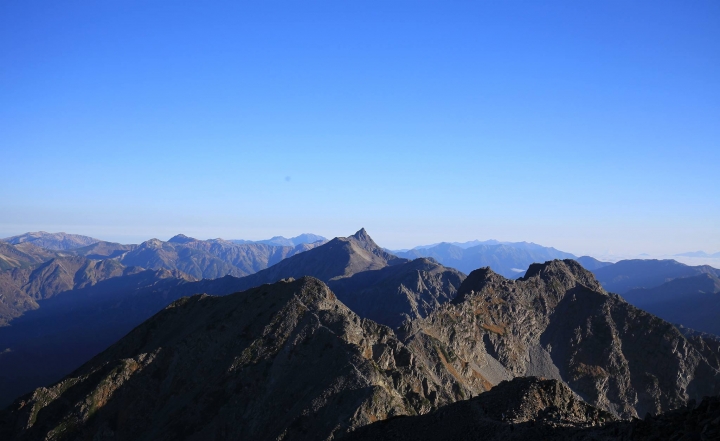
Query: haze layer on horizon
(589, 127)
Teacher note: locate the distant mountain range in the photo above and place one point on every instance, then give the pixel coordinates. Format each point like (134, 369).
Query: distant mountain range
(285, 242)
(699, 254)
(290, 361)
(52, 241)
(508, 259)
(626, 275)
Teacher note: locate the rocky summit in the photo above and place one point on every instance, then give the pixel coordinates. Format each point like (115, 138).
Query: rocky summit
(282, 361)
(557, 322)
(551, 355)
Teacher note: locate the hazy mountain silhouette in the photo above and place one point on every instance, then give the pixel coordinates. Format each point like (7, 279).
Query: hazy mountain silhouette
(52, 241)
(508, 259)
(591, 263)
(306, 238)
(693, 302)
(625, 275)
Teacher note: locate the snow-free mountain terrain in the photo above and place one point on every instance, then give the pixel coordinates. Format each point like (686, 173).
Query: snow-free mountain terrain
(510, 259)
(291, 361)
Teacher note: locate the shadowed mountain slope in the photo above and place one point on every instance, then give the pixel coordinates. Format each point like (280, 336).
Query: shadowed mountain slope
(510, 259)
(693, 302)
(534, 409)
(46, 343)
(557, 322)
(110, 310)
(284, 361)
(21, 288)
(625, 275)
(52, 241)
(375, 283)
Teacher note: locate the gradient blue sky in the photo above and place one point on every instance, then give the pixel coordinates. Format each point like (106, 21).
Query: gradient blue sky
(591, 126)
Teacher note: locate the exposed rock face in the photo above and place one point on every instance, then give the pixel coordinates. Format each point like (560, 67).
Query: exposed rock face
(284, 361)
(557, 322)
(534, 409)
(400, 292)
(524, 408)
(374, 283)
(52, 241)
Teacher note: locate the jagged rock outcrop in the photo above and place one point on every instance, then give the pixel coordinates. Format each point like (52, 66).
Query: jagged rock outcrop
(523, 408)
(535, 409)
(284, 361)
(374, 283)
(557, 322)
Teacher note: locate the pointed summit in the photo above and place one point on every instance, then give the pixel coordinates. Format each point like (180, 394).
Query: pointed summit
(181, 238)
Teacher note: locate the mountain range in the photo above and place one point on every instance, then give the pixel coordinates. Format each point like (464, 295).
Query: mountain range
(509, 259)
(699, 254)
(341, 338)
(290, 361)
(95, 315)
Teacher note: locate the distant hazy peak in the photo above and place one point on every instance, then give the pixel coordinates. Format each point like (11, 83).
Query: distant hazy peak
(52, 241)
(181, 238)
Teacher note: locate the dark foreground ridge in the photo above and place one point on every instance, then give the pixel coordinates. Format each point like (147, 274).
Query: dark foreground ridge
(535, 409)
(282, 361)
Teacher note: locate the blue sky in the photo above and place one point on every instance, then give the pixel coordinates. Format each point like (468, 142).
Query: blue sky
(593, 127)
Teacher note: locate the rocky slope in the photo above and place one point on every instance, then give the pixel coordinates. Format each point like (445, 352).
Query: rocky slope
(102, 314)
(22, 288)
(374, 283)
(46, 343)
(52, 241)
(24, 255)
(285, 361)
(534, 409)
(557, 322)
(524, 408)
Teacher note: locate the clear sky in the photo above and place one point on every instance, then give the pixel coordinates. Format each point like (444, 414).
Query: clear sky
(590, 126)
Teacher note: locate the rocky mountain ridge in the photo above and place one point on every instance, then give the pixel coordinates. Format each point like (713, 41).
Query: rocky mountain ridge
(557, 322)
(290, 361)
